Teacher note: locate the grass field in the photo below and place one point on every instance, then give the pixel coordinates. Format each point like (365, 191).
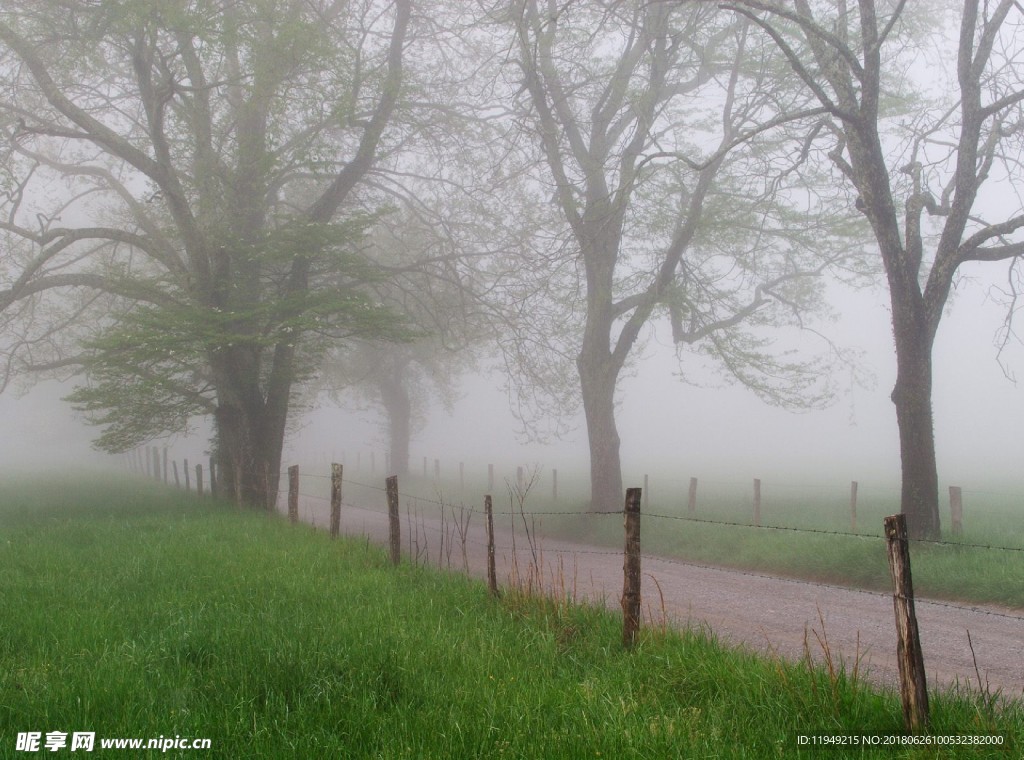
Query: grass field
(132, 611)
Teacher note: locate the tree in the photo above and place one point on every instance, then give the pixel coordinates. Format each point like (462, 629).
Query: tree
(918, 173)
(215, 152)
(431, 286)
(644, 116)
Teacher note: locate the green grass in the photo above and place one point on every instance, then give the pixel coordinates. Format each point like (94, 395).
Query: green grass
(134, 612)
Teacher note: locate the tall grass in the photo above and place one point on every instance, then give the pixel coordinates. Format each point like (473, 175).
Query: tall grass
(134, 612)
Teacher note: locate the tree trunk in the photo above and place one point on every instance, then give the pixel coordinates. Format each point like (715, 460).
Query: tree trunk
(398, 406)
(912, 395)
(597, 381)
(249, 455)
(250, 422)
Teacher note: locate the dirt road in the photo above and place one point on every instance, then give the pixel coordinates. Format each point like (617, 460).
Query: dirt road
(766, 614)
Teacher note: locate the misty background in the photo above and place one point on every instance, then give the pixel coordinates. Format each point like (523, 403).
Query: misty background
(718, 430)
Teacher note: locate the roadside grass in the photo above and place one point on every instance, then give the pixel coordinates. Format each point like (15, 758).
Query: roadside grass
(132, 611)
(805, 533)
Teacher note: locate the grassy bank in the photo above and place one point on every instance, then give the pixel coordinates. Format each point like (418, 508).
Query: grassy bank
(134, 612)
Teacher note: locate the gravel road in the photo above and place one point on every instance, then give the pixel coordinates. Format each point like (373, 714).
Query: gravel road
(765, 614)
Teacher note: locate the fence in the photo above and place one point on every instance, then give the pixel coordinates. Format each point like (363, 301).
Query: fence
(451, 530)
(864, 506)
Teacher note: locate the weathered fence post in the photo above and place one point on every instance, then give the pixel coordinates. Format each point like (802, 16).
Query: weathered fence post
(293, 493)
(956, 509)
(213, 478)
(166, 476)
(554, 485)
(336, 470)
(757, 501)
(913, 685)
(199, 480)
(391, 486)
(492, 573)
(631, 569)
(188, 475)
(177, 480)
(691, 502)
(853, 506)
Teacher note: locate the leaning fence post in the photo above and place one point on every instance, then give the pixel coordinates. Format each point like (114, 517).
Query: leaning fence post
(336, 470)
(293, 493)
(631, 569)
(691, 502)
(177, 480)
(391, 486)
(853, 506)
(188, 485)
(492, 573)
(956, 509)
(913, 684)
(199, 480)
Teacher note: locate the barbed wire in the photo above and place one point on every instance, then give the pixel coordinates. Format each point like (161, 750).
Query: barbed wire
(575, 550)
(683, 518)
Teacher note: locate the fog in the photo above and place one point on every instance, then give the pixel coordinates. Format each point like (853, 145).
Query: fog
(666, 426)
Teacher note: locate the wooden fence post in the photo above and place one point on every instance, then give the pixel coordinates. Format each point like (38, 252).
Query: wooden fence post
(391, 486)
(853, 506)
(188, 475)
(177, 481)
(956, 509)
(166, 476)
(631, 569)
(554, 485)
(336, 470)
(199, 480)
(293, 493)
(691, 502)
(913, 684)
(757, 501)
(492, 573)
